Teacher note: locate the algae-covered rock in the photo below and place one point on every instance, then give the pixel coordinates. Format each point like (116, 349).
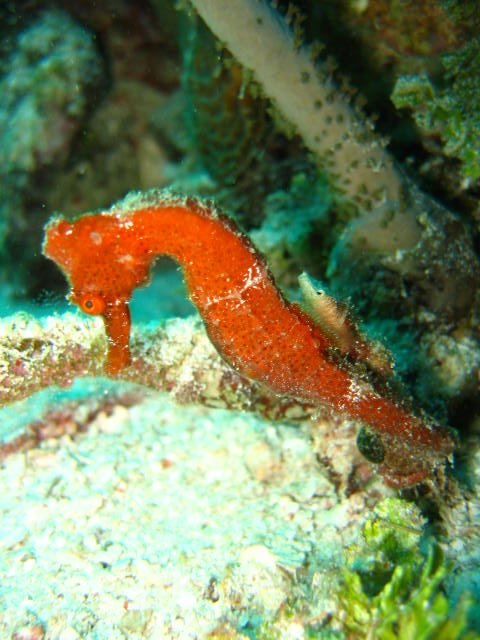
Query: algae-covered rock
(51, 79)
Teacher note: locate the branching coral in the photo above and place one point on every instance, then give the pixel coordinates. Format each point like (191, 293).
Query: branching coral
(178, 358)
(308, 98)
(35, 355)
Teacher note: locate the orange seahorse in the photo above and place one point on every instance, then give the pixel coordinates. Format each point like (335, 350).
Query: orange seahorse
(258, 332)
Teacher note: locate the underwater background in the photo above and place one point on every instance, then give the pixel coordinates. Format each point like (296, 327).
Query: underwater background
(182, 499)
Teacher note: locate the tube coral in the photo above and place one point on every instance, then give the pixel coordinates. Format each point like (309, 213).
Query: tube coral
(360, 169)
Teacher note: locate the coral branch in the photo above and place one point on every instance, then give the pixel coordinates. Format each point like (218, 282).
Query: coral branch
(308, 98)
(177, 357)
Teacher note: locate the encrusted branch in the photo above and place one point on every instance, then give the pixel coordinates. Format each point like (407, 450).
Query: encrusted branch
(177, 357)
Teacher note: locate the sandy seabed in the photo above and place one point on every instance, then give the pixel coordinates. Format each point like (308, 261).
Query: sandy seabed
(163, 521)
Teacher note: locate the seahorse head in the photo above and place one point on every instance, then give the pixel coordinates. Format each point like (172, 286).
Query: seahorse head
(99, 256)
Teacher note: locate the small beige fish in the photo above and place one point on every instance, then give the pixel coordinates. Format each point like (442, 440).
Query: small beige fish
(335, 320)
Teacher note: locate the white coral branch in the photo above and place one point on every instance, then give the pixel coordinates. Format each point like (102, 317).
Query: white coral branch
(360, 169)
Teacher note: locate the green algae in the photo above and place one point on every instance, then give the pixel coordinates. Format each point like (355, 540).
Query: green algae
(392, 586)
(411, 605)
(449, 108)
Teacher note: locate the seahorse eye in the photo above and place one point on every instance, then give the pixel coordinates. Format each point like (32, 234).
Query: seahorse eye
(370, 445)
(93, 304)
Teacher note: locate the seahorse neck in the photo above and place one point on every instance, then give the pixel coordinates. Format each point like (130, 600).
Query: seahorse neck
(176, 231)
(216, 257)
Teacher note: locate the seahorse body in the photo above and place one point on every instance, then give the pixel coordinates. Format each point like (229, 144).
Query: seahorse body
(108, 254)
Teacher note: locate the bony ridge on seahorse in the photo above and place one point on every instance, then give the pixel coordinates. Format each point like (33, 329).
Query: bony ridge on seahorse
(106, 255)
